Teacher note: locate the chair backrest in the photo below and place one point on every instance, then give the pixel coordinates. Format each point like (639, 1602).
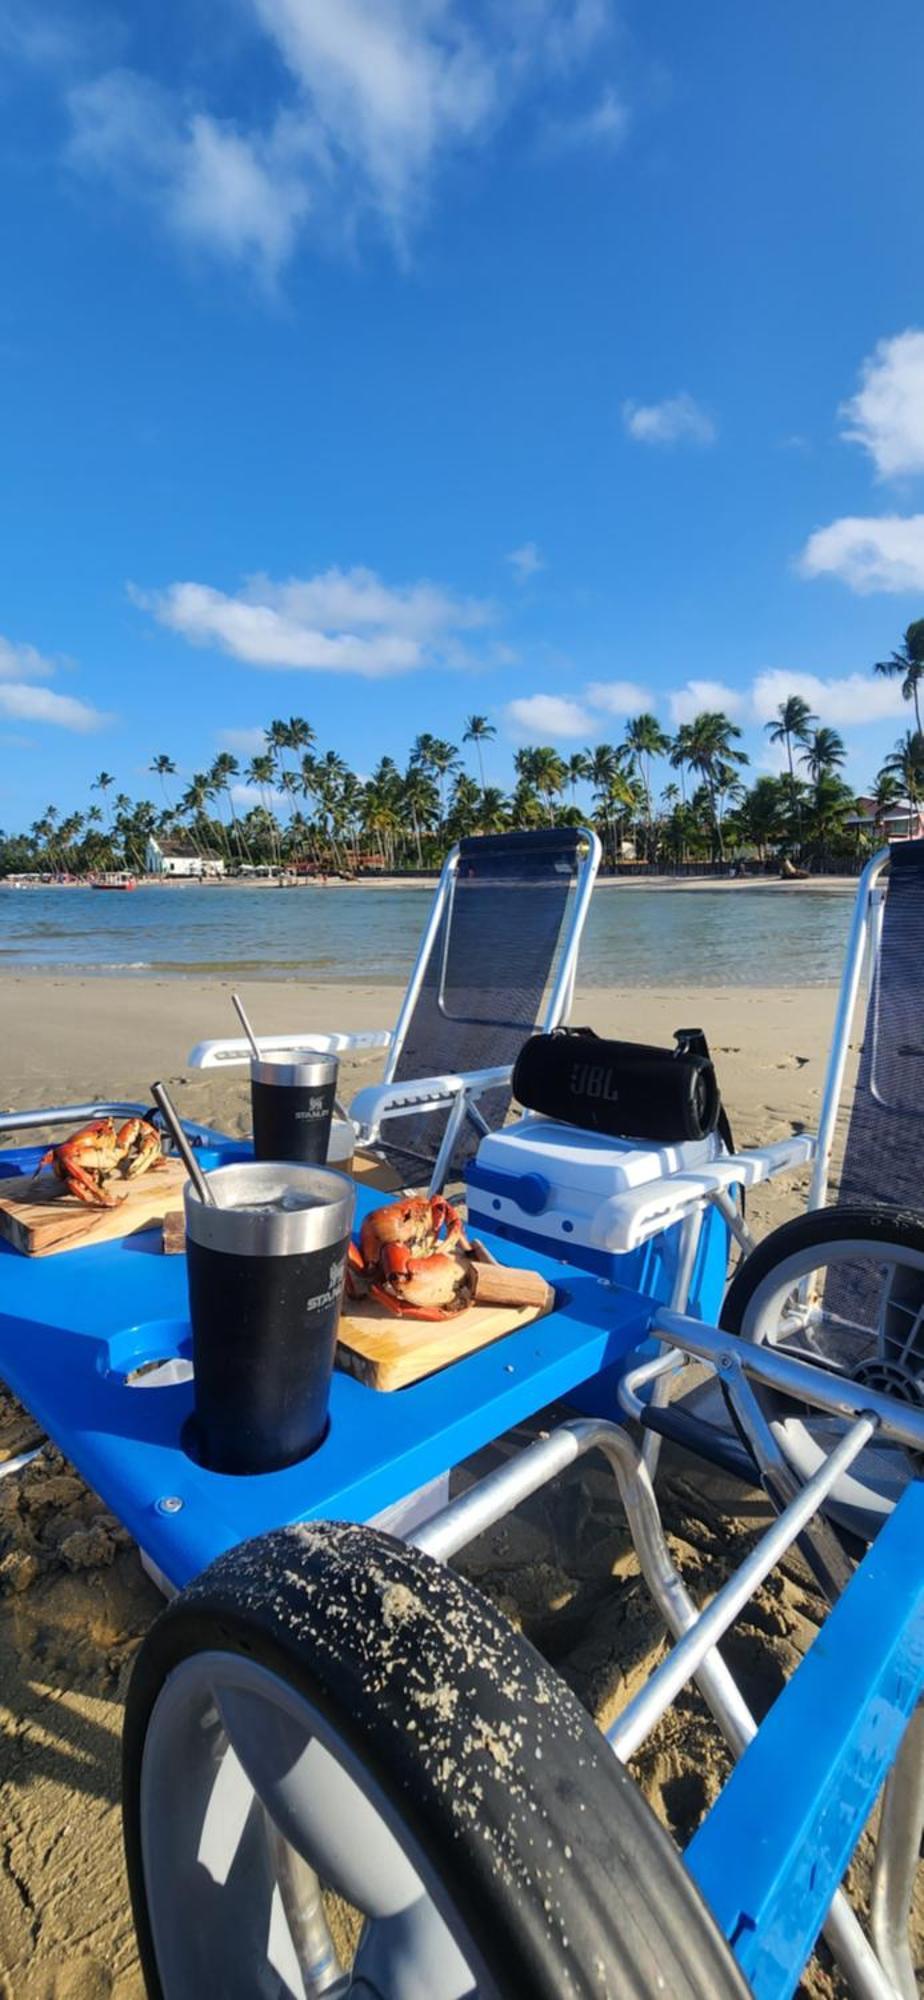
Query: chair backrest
(506, 922)
(884, 1152)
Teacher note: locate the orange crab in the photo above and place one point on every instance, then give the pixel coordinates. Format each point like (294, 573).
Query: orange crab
(413, 1258)
(101, 1153)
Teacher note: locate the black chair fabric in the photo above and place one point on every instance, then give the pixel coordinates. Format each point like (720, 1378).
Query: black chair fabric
(484, 983)
(884, 1153)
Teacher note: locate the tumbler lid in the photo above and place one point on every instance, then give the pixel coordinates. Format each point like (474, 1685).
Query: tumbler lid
(271, 1208)
(301, 1069)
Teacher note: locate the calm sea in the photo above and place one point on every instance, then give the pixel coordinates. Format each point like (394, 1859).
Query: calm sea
(637, 937)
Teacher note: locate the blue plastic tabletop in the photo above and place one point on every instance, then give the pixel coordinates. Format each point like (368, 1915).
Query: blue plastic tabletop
(72, 1326)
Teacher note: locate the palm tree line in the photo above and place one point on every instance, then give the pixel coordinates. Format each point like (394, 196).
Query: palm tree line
(313, 811)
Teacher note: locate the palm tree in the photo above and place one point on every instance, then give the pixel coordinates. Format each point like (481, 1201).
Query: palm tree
(493, 812)
(909, 662)
(644, 740)
(886, 793)
(711, 752)
(419, 797)
(579, 768)
(478, 730)
(163, 767)
(680, 754)
(907, 762)
(824, 750)
(442, 758)
(792, 723)
(103, 783)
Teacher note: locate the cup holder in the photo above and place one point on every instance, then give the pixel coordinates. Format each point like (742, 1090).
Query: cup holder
(155, 1355)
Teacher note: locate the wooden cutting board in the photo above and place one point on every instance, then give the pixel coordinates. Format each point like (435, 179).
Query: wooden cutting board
(39, 1217)
(387, 1353)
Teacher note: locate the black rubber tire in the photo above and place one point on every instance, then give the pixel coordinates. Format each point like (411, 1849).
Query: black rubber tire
(903, 1228)
(560, 1876)
(890, 1228)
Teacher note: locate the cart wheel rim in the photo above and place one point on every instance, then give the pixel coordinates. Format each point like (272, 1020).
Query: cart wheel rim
(886, 1356)
(234, 1753)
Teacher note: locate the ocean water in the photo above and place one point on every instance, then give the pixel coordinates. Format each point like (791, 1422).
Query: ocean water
(635, 937)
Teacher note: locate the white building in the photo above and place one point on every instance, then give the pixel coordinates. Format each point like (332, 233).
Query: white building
(171, 855)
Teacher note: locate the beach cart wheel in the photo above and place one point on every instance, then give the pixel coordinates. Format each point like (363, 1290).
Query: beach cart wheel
(344, 1772)
(844, 1289)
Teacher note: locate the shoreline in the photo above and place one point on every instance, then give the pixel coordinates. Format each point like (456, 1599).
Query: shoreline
(663, 884)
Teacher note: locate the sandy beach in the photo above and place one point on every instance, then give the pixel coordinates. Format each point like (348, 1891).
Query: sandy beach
(74, 1601)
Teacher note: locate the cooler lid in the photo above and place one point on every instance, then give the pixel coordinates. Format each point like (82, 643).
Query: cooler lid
(569, 1158)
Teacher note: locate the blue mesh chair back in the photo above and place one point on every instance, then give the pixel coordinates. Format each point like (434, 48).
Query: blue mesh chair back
(482, 991)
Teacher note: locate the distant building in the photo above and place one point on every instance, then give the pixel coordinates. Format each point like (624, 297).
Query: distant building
(172, 855)
(901, 821)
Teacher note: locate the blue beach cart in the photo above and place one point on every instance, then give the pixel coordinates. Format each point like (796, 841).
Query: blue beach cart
(344, 1773)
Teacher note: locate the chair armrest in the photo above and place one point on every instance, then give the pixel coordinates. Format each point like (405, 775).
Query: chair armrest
(235, 1052)
(420, 1094)
(629, 1219)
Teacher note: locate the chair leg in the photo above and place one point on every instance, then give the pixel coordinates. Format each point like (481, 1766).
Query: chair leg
(690, 1232)
(453, 1127)
(897, 1856)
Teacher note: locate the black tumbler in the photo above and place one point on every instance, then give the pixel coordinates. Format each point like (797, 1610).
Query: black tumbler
(292, 1104)
(266, 1270)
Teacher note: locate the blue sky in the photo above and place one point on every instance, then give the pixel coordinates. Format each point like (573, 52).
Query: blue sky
(384, 360)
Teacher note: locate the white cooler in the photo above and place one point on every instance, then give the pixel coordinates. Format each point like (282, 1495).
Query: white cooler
(558, 1190)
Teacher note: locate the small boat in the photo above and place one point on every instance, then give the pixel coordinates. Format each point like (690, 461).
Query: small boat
(115, 882)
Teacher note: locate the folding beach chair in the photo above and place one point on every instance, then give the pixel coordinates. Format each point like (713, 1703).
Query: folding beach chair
(836, 1321)
(503, 933)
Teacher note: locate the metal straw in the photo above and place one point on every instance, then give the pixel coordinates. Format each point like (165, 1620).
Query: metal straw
(238, 1005)
(188, 1157)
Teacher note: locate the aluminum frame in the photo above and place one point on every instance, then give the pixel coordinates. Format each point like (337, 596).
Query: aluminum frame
(875, 1971)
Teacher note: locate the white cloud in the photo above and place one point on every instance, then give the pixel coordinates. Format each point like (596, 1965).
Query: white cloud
(20, 665)
(340, 621)
(676, 420)
(244, 742)
(846, 702)
(244, 196)
(548, 715)
(604, 127)
(21, 703)
(374, 96)
(619, 697)
(884, 552)
(244, 797)
(525, 562)
(701, 697)
(886, 416)
(23, 663)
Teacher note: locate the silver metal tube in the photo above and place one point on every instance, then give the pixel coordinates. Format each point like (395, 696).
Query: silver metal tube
(649, 1705)
(19, 1463)
(69, 1114)
(897, 1858)
(690, 1232)
(495, 1495)
(669, 1362)
(560, 998)
(420, 963)
(300, 1894)
(453, 1127)
(843, 1021)
(736, 1223)
(799, 1379)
